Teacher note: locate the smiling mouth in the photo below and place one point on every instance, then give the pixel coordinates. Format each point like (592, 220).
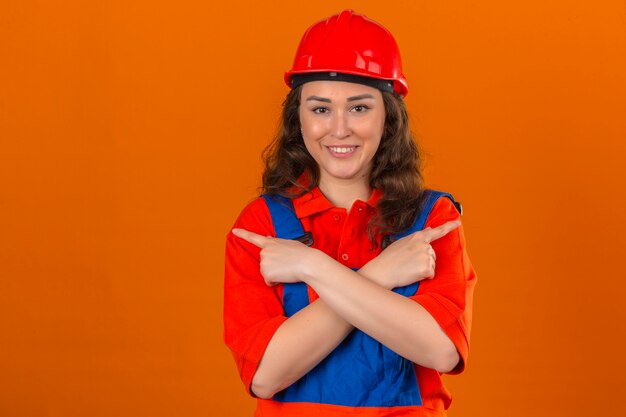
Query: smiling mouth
(341, 149)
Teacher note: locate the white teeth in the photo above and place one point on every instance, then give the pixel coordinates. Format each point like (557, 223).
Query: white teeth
(338, 149)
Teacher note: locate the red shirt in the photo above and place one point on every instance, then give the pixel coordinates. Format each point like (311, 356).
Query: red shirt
(253, 310)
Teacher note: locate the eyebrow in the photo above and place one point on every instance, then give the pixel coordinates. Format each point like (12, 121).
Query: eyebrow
(327, 100)
(360, 97)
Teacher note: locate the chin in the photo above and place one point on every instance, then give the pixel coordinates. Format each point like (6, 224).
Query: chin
(350, 176)
(342, 173)
(345, 173)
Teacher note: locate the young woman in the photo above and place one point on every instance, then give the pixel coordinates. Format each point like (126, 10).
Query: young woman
(347, 285)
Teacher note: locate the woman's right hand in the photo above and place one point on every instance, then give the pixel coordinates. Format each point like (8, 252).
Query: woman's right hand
(283, 260)
(407, 260)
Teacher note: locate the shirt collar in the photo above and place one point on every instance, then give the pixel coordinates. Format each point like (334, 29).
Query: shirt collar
(315, 202)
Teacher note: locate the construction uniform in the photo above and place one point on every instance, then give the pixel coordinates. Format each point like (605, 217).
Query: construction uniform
(361, 377)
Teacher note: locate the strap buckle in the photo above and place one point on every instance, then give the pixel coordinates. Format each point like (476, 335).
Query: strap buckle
(306, 238)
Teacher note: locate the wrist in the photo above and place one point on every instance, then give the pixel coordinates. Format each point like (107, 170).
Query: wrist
(371, 272)
(313, 266)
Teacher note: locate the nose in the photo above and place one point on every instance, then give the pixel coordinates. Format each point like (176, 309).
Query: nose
(339, 125)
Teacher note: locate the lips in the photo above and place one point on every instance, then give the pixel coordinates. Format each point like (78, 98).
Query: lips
(341, 150)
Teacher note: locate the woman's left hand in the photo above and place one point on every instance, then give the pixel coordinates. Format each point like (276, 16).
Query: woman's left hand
(407, 260)
(282, 260)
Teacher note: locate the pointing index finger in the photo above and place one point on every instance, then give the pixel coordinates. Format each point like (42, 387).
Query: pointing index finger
(440, 231)
(251, 237)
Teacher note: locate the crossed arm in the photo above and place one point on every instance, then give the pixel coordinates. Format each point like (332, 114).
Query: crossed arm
(350, 299)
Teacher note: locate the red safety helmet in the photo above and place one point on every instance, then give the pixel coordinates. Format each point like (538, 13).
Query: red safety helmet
(349, 43)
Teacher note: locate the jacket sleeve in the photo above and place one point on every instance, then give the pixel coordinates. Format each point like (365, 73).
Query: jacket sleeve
(448, 295)
(252, 309)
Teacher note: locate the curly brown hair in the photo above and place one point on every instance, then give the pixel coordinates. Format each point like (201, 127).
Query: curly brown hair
(395, 168)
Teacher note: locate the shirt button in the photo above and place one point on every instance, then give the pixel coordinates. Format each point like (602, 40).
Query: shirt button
(345, 257)
(337, 217)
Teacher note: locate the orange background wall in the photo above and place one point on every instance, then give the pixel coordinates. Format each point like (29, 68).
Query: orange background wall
(130, 135)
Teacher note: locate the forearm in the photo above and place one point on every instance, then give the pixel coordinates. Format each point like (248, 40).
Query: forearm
(298, 345)
(394, 320)
(349, 299)
(303, 341)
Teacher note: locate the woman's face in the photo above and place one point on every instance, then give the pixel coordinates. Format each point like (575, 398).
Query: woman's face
(342, 124)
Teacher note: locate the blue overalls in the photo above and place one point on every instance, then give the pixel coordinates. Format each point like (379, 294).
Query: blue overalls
(360, 372)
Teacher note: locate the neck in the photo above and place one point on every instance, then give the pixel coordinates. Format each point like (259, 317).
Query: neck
(343, 193)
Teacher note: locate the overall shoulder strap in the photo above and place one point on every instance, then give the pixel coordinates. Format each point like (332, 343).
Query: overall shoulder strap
(430, 198)
(284, 219)
(287, 226)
